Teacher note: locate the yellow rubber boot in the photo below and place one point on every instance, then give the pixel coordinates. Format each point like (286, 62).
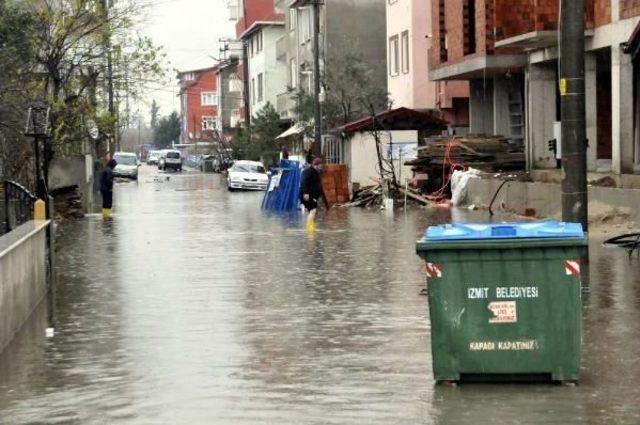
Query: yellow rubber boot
(106, 212)
(311, 225)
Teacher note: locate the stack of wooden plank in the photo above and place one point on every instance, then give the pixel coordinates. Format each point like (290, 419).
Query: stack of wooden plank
(335, 182)
(487, 153)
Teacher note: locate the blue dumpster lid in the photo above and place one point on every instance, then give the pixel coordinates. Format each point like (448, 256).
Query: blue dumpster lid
(539, 229)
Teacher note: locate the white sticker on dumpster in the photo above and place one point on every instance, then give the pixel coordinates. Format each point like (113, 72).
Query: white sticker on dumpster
(503, 312)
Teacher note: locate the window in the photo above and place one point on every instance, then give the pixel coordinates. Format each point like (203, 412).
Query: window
(469, 13)
(293, 73)
(253, 91)
(209, 98)
(260, 87)
(189, 76)
(251, 51)
(393, 56)
(259, 41)
(293, 18)
(442, 34)
(209, 123)
(305, 29)
(404, 47)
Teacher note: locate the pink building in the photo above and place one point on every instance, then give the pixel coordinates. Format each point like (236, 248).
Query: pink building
(408, 41)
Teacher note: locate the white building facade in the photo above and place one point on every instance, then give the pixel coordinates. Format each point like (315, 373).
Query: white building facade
(267, 75)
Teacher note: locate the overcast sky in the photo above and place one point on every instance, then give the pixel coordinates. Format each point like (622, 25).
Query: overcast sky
(189, 31)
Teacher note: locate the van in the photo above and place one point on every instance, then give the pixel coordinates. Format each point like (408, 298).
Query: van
(171, 159)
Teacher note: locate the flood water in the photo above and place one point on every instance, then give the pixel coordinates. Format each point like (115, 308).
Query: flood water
(194, 307)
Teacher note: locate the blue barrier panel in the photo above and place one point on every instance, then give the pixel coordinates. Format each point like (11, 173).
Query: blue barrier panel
(283, 190)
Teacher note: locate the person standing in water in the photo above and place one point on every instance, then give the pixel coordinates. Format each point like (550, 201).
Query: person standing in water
(311, 191)
(106, 188)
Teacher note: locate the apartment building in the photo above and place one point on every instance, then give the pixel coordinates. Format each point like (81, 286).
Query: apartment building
(508, 51)
(344, 24)
(609, 81)
(409, 34)
(198, 103)
(230, 97)
(267, 75)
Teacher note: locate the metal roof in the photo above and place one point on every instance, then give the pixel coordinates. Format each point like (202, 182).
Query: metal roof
(396, 119)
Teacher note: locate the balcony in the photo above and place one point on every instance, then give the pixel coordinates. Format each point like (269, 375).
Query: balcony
(533, 24)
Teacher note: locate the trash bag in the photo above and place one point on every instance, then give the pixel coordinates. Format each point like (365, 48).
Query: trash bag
(460, 185)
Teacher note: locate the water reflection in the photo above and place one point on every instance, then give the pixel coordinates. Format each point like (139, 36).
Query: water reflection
(193, 307)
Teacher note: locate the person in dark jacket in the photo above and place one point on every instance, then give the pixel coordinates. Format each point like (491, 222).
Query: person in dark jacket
(311, 191)
(106, 188)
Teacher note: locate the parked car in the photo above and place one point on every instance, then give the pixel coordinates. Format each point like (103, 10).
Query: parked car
(170, 159)
(127, 165)
(153, 157)
(247, 175)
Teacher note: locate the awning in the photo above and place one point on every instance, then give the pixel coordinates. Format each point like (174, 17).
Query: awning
(295, 130)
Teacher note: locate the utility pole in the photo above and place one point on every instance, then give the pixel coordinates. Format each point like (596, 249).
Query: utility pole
(245, 71)
(245, 77)
(575, 201)
(111, 106)
(317, 146)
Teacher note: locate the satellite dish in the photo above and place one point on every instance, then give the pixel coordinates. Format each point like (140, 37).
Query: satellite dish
(92, 129)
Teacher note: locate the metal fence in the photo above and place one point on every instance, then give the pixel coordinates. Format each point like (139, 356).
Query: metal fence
(18, 205)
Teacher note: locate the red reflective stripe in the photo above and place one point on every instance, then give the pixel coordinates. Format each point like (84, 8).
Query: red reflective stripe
(572, 267)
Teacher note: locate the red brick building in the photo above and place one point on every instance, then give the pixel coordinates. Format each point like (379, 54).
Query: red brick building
(199, 101)
(507, 50)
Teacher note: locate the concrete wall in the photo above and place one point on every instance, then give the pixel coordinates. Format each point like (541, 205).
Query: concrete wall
(74, 171)
(544, 199)
(481, 117)
(362, 159)
(22, 276)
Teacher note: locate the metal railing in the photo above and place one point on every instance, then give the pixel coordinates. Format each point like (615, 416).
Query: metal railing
(18, 205)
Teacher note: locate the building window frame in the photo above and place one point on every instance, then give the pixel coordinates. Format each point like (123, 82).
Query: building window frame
(253, 91)
(405, 52)
(394, 55)
(259, 41)
(209, 123)
(305, 28)
(208, 98)
(293, 18)
(260, 87)
(293, 73)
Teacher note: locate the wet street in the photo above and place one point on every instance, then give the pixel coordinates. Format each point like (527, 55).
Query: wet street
(194, 307)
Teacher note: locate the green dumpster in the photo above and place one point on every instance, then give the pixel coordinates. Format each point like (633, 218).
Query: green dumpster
(504, 300)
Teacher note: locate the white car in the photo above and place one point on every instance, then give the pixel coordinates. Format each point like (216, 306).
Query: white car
(170, 159)
(247, 175)
(126, 165)
(153, 157)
